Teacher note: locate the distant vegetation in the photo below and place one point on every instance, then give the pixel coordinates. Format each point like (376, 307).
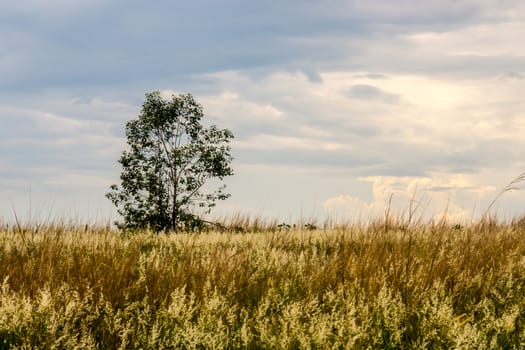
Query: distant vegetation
(388, 285)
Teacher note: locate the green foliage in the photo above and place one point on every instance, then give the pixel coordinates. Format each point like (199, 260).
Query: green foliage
(171, 156)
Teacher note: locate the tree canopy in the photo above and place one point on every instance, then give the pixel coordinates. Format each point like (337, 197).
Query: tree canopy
(171, 155)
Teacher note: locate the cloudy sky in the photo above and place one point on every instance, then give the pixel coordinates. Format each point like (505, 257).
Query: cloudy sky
(336, 106)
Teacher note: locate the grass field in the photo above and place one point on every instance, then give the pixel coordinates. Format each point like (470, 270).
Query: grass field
(381, 286)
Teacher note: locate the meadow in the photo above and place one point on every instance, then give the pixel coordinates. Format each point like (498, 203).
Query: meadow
(385, 285)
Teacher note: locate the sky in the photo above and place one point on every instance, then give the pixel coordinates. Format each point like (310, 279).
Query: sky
(340, 109)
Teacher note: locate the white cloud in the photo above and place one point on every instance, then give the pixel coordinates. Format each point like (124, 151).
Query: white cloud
(229, 107)
(344, 208)
(453, 115)
(403, 94)
(272, 142)
(44, 129)
(495, 39)
(452, 196)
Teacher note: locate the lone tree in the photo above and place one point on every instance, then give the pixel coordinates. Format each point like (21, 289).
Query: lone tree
(171, 156)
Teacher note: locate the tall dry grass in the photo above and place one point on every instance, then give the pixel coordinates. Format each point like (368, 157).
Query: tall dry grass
(385, 285)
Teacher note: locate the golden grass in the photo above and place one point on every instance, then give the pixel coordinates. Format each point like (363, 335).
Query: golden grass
(386, 285)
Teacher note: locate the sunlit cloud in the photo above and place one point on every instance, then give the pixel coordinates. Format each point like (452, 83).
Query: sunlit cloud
(336, 106)
(450, 197)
